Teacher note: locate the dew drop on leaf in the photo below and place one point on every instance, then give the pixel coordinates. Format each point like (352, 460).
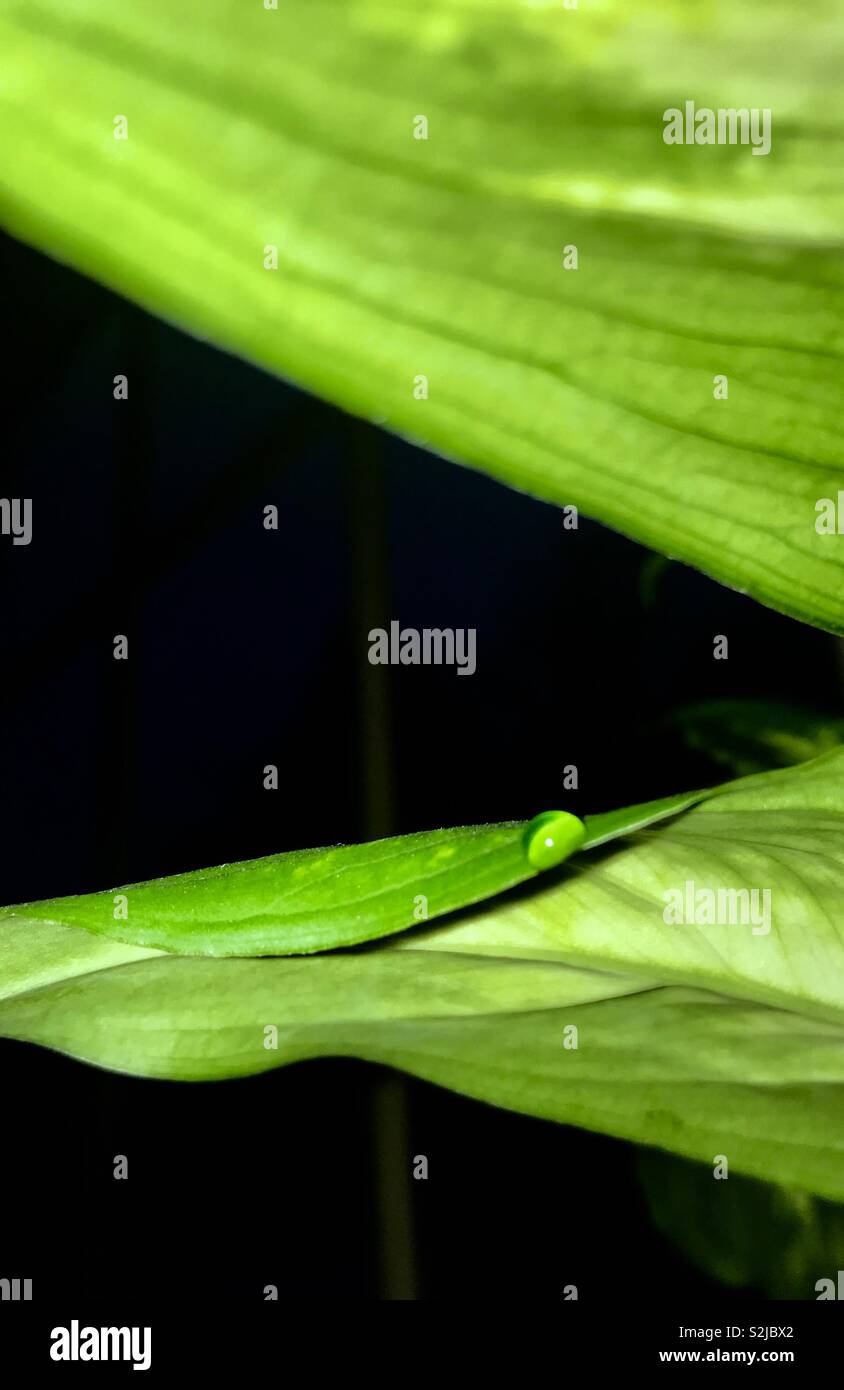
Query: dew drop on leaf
(552, 837)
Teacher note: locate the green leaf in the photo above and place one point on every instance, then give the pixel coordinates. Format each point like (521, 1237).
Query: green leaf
(443, 257)
(35, 953)
(296, 903)
(745, 1233)
(318, 899)
(749, 736)
(694, 1072)
(700, 1039)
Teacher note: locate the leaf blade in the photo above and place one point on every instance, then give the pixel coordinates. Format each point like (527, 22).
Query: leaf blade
(443, 257)
(652, 1065)
(301, 901)
(481, 1003)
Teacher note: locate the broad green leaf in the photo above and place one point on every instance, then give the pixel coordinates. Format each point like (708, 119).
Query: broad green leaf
(699, 1039)
(400, 258)
(745, 1233)
(691, 1071)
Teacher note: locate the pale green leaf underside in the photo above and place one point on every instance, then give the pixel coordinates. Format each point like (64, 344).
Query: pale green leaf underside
(690, 1071)
(398, 257)
(698, 1039)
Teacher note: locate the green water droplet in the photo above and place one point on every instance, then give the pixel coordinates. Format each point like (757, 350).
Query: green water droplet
(552, 837)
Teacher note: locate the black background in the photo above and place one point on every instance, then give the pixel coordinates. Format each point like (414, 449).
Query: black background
(248, 647)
